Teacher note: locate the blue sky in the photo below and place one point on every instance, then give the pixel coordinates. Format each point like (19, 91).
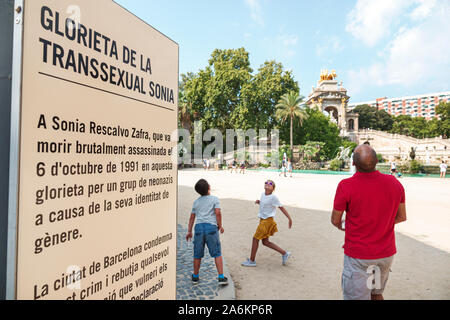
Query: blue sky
(379, 48)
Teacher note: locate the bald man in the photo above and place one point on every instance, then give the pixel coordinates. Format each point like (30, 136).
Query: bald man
(373, 203)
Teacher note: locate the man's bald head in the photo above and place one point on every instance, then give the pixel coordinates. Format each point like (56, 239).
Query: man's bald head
(365, 158)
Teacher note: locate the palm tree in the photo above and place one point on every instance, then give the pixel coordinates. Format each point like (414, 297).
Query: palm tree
(185, 116)
(290, 107)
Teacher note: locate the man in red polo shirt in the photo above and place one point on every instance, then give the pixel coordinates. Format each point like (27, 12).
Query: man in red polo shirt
(374, 203)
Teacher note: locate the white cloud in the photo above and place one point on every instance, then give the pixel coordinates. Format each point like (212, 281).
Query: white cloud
(423, 10)
(417, 55)
(289, 39)
(287, 44)
(371, 20)
(330, 44)
(289, 53)
(256, 12)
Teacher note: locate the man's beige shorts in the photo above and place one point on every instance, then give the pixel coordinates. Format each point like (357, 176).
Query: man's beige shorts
(363, 278)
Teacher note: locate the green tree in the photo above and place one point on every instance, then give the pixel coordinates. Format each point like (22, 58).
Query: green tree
(214, 93)
(443, 111)
(372, 118)
(316, 127)
(185, 112)
(416, 127)
(289, 107)
(226, 95)
(311, 151)
(260, 96)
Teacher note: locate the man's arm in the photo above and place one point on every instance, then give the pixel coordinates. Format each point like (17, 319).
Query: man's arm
(191, 225)
(219, 219)
(336, 219)
(287, 216)
(401, 214)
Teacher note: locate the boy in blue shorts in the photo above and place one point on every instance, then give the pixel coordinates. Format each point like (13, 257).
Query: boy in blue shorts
(206, 210)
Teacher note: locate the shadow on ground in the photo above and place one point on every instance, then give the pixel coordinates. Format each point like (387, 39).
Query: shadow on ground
(314, 271)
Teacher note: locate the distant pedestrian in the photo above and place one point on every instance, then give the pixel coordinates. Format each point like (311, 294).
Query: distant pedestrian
(234, 166)
(374, 203)
(283, 167)
(208, 164)
(268, 205)
(443, 167)
(289, 167)
(393, 168)
(206, 210)
(242, 167)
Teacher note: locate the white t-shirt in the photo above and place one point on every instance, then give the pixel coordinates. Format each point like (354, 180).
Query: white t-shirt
(443, 167)
(268, 206)
(393, 165)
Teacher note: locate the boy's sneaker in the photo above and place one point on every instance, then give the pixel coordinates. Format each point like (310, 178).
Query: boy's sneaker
(249, 263)
(195, 280)
(285, 258)
(223, 281)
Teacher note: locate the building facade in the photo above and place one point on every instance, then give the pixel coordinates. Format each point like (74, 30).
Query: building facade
(395, 147)
(331, 98)
(415, 106)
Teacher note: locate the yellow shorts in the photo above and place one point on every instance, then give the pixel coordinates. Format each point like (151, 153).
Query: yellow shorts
(266, 229)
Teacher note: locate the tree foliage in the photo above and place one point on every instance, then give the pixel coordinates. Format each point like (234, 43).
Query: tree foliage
(372, 118)
(290, 108)
(316, 127)
(227, 95)
(312, 151)
(417, 127)
(443, 111)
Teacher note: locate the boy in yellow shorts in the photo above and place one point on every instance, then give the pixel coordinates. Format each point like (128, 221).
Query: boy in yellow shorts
(267, 225)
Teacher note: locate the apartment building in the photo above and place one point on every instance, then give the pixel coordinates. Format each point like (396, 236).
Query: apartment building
(415, 106)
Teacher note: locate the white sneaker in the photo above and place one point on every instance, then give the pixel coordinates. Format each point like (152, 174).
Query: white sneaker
(286, 257)
(249, 263)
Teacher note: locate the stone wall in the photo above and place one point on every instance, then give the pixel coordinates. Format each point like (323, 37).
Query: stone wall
(398, 147)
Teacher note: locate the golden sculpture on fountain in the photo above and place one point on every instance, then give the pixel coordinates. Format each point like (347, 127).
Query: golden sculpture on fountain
(324, 75)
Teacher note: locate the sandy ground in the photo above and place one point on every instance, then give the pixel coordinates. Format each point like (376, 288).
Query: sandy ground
(421, 266)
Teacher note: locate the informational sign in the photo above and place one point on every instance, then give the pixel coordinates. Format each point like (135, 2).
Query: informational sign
(97, 180)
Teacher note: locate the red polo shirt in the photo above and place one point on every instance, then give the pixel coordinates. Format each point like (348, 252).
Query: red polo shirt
(371, 202)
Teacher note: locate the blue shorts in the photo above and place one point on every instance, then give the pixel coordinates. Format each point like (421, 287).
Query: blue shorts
(206, 234)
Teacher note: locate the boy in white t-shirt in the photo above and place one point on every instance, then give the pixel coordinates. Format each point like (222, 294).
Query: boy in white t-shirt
(443, 167)
(393, 168)
(267, 226)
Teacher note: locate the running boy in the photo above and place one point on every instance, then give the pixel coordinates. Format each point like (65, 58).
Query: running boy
(267, 226)
(209, 222)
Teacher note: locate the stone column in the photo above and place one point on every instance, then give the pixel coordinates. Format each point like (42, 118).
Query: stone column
(342, 118)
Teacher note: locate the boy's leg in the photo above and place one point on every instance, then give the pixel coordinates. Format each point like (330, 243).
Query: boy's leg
(197, 263)
(199, 247)
(273, 246)
(212, 239)
(219, 264)
(255, 246)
